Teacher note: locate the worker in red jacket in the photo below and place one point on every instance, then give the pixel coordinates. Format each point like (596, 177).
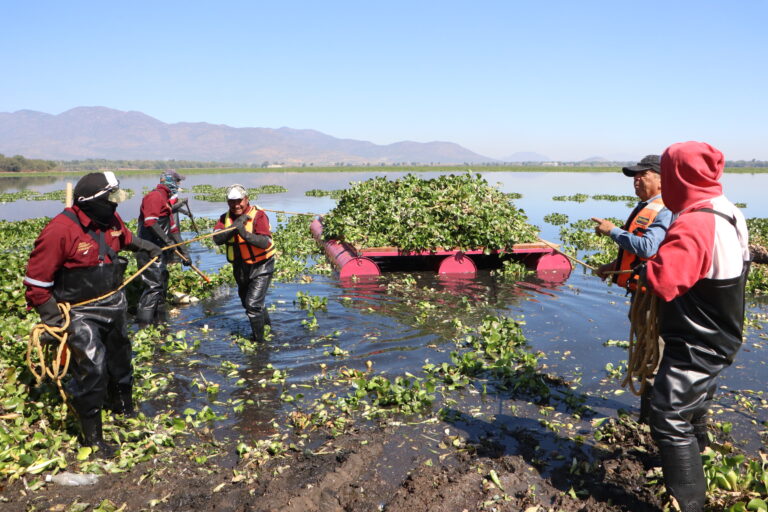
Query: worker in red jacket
(178, 205)
(251, 252)
(699, 273)
(75, 259)
(157, 224)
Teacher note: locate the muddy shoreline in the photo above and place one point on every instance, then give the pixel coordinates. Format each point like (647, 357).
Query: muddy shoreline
(394, 466)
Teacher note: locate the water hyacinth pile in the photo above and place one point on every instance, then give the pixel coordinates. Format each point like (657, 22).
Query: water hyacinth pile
(454, 212)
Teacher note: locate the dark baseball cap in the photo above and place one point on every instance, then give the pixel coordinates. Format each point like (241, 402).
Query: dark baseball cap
(648, 163)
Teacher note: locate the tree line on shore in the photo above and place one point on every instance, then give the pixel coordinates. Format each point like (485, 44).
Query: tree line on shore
(19, 163)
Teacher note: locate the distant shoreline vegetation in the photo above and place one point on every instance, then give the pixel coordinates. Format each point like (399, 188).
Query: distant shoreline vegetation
(14, 164)
(10, 166)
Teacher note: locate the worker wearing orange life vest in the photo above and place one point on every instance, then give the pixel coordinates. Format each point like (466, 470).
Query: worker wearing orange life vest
(640, 237)
(637, 225)
(251, 251)
(646, 227)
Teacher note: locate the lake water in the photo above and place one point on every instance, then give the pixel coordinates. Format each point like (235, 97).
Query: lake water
(568, 321)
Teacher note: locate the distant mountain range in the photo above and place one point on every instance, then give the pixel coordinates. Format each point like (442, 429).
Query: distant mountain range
(100, 132)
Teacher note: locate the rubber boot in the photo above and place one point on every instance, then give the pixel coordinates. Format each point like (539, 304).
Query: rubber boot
(144, 318)
(684, 476)
(122, 401)
(257, 328)
(700, 431)
(92, 436)
(161, 315)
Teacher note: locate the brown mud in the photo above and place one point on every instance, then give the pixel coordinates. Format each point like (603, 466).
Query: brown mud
(454, 465)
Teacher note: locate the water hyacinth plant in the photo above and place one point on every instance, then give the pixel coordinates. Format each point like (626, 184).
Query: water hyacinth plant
(414, 214)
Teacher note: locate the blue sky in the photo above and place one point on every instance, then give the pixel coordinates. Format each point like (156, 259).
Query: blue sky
(570, 80)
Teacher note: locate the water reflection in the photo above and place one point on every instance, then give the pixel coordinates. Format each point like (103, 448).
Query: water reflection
(19, 183)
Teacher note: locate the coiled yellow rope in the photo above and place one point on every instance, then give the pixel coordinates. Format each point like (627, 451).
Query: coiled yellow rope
(53, 358)
(644, 352)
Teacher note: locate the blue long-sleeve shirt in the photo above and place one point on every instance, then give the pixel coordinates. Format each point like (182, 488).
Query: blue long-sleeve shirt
(644, 246)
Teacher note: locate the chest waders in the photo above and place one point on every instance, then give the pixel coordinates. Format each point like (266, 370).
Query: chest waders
(100, 369)
(702, 334)
(151, 309)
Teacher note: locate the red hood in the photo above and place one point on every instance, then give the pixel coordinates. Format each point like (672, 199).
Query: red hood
(690, 172)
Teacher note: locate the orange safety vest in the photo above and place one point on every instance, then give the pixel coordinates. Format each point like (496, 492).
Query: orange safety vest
(249, 253)
(637, 226)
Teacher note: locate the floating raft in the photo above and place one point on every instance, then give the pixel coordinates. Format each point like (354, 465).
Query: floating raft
(351, 261)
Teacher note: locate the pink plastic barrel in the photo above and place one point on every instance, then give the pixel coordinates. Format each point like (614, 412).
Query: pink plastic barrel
(553, 267)
(458, 263)
(343, 256)
(360, 266)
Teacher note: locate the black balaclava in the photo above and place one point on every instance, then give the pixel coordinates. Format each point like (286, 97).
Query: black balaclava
(99, 209)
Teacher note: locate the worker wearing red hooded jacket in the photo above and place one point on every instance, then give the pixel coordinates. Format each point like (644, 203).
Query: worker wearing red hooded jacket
(157, 224)
(699, 273)
(75, 259)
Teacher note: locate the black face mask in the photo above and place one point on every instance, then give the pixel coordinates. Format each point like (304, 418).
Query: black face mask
(99, 210)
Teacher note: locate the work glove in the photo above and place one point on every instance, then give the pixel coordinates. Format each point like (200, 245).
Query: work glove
(179, 204)
(50, 315)
(139, 244)
(185, 259)
(239, 223)
(182, 249)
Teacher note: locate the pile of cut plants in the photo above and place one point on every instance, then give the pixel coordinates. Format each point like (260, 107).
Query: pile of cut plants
(414, 214)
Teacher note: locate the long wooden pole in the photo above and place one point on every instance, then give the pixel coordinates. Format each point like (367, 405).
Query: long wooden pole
(68, 200)
(566, 254)
(193, 267)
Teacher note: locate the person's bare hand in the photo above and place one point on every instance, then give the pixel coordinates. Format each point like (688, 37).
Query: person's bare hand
(603, 226)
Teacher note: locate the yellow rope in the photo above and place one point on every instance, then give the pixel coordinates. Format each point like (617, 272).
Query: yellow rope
(51, 365)
(292, 213)
(644, 353)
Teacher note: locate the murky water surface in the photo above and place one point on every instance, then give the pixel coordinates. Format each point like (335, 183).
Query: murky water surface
(388, 324)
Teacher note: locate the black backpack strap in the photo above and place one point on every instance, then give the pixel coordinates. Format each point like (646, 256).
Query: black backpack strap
(96, 237)
(732, 220)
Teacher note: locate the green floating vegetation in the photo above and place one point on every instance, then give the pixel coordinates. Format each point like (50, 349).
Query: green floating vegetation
(414, 214)
(579, 198)
(580, 236)
(218, 194)
(54, 195)
(758, 231)
(512, 271)
(610, 197)
(556, 219)
(316, 192)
